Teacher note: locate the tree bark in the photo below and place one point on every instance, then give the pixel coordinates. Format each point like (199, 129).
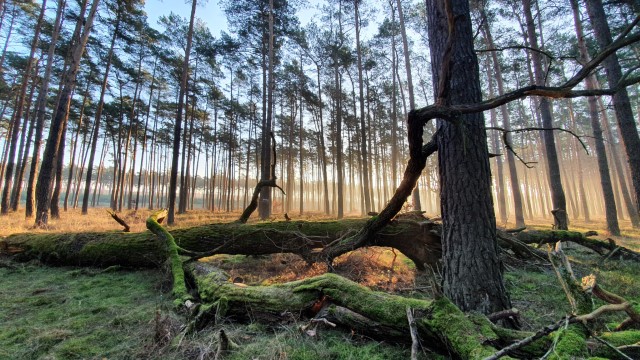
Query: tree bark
(469, 226)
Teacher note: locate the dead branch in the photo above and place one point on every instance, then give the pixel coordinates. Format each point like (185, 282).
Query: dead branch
(528, 340)
(565, 90)
(253, 205)
(518, 47)
(503, 314)
(119, 220)
(415, 339)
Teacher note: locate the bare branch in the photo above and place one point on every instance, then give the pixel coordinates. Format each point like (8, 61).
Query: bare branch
(518, 47)
(438, 110)
(504, 132)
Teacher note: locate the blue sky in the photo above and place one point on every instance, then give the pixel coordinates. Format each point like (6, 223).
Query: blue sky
(210, 12)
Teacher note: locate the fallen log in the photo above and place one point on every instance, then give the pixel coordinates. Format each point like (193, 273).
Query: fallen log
(540, 237)
(418, 240)
(383, 316)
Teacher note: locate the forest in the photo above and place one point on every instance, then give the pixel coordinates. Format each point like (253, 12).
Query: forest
(337, 179)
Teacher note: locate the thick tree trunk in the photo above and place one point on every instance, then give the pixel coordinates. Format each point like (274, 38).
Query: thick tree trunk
(469, 225)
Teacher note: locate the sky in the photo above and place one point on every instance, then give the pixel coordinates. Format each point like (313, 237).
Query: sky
(210, 12)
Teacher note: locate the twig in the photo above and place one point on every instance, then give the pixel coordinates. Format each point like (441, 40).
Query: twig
(615, 349)
(517, 47)
(119, 220)
(528, 340)
(503, 314)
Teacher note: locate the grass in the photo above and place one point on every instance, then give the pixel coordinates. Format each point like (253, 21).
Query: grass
(84, 313)
(76, 313)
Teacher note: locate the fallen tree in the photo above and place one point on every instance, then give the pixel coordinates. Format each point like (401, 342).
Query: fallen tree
(417, 239)
(413, 235)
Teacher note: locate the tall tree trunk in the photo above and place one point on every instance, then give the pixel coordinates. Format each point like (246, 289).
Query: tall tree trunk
(555, 182)
(415, 196)
(500, 189)
(74, 147)
(323, 153)
(55, 197)
(363, 132)
(98, 117)
(621, 104)
(264, 207)
(47, 169)
(506, 123)
(17, 115)
(23, 153)
(469, 227)
(41, 104)
(173, 180)
(626, 196)
(601, 153)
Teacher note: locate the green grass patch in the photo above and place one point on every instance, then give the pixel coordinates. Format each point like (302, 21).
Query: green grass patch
(67, 313)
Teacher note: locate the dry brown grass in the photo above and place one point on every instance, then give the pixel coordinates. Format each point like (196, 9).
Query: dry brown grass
(378, 268)
(99, 220)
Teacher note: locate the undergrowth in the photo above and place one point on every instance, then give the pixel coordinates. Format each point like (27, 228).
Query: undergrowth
(84, 313)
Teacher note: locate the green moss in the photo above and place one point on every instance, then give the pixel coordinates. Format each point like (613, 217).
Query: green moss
(570, 345)
(621, 338)
(462, 334)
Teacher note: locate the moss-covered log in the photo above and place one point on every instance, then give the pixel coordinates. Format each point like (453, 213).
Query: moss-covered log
(539, 237)
(418, 240)
(440, 323)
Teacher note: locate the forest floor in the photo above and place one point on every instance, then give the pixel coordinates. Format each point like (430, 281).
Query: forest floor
(79, 313)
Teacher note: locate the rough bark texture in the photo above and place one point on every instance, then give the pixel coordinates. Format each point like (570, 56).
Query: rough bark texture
(469, 225)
